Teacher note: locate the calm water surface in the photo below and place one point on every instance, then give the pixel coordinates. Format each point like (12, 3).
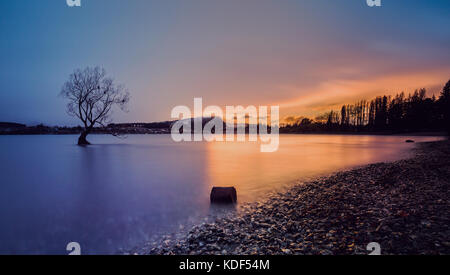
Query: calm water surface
(118, 192)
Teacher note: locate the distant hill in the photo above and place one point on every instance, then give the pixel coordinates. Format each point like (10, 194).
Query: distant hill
(151, 125)
(11, 125)
(164, 127)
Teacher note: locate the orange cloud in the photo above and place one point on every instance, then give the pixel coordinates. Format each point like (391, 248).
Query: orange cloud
(332, 94)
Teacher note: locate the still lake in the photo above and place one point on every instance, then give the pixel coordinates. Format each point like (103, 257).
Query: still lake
(118, 192)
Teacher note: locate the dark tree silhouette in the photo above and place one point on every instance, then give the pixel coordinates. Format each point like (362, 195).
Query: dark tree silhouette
(386, 114)
(444, 101)
(344, 121)
(92, 95)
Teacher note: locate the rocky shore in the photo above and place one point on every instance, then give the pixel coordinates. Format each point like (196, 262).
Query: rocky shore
(404, 206)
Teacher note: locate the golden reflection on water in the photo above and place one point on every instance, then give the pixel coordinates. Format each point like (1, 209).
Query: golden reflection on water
(242, 165)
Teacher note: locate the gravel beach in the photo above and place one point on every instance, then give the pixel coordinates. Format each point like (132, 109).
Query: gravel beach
(404, 206)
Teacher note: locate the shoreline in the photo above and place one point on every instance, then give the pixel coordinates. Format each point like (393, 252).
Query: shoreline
(159, 128)
(405, 134)
(402, 205)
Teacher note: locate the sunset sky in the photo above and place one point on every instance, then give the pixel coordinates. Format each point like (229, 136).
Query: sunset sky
(307, 56)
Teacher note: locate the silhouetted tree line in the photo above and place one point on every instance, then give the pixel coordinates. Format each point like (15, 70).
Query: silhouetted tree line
(399, 113)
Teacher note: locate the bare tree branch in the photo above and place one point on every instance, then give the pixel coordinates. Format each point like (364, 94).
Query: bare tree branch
(92, 96)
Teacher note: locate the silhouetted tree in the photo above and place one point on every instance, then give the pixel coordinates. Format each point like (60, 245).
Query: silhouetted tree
(372, 113)
(344, 121)
(444, 102)
(415, 112)
(396, 111)
(92, 95)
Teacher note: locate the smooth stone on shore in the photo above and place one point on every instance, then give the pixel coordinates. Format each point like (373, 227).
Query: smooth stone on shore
(223, 195)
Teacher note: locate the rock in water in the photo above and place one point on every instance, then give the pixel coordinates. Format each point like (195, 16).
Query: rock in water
(409, 141)
(223, 195)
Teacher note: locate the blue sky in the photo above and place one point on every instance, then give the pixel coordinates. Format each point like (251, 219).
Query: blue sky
(305, 55)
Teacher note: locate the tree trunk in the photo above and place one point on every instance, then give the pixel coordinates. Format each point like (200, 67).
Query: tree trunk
(82, 139)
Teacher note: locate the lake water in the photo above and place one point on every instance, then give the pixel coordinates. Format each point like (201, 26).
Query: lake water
(117, 193)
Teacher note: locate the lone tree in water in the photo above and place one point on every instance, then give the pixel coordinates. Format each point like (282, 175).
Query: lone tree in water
(92, 95)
